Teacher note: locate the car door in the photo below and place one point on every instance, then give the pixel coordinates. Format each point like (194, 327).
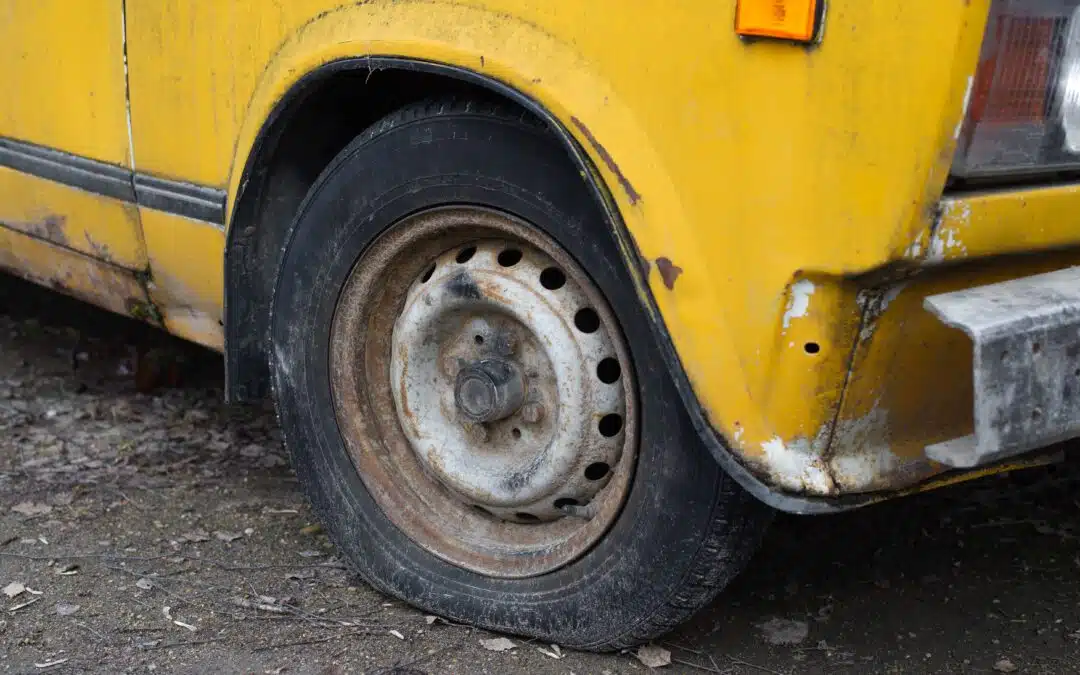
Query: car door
(67, 212)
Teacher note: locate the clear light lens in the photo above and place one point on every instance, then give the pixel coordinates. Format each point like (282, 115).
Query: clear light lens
(1023, 113)
(1069, 85)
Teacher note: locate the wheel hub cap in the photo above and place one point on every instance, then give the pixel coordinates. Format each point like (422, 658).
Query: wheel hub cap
(483, 390)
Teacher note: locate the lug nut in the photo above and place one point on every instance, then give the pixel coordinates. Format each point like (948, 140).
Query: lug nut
(532, 412)
(476, 431)
(506, 344)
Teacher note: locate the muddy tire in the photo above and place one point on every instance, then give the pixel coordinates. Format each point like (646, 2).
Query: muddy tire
(398, 255)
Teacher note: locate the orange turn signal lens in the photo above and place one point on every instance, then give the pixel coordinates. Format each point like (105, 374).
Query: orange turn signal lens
(785, 19)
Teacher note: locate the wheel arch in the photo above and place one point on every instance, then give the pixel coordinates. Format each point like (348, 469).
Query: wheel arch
(249, 249)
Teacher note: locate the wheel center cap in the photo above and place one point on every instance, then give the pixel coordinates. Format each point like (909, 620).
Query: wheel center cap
(489, 390)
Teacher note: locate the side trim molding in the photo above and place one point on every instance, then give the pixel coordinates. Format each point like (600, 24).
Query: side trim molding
(108, 180)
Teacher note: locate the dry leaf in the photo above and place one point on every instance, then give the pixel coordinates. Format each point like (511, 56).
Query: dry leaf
(185, 625)
(227, 536)
(196, 536)
(31, 508)
(311, 529)
(653, 656)
(167, 611)
(13, 589)
(67, 570)
(430, 619)
(1005, 666)
(66, 608)
(144, 584)
(497, 644)
(547, 653)
(397, 634)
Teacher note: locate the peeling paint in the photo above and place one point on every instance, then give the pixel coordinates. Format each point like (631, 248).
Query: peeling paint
(796, 466)
(946, 240)
(669, 271)
(861, 459)
(964, 108)
(874, 302)
(798, 300)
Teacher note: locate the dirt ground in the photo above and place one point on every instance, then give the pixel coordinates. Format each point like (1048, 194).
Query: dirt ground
(164, 532)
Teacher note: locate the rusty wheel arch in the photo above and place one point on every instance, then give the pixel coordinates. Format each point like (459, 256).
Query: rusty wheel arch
(262, 215)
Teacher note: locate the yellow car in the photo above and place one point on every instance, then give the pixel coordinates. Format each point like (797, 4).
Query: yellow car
(560, 301)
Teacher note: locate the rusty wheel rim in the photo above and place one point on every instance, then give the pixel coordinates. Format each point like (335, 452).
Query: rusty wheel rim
(484, 392)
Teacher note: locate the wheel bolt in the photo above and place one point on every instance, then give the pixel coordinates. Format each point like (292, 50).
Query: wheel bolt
(506, 344)
(532, 412)
(476, 431)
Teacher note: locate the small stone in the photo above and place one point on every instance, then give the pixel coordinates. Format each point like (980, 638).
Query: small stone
(653, 656)
(66, 608)
(1005, 666)
(784, 631)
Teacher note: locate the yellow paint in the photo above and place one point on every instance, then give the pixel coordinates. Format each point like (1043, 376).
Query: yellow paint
(95, 225)
(754, 162)
(63, 76)
(993, 223)
(757, 168)
(187, 283)
(75, 274)
(911, 382)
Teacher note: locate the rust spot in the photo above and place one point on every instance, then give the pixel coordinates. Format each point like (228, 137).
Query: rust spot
(99, 250)
(669, 271)
(633, 195)
(49, 228)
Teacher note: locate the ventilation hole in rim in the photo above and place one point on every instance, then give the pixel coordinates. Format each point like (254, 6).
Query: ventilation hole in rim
(610, 425)
(552, 278)
(427, 273)
(597, 470)
(565, 501)
(812, 347)
(587, 320)
(465, 254)
(509, 257)
(478, 339)
(608, 370)
(527, 517)
(515, 432)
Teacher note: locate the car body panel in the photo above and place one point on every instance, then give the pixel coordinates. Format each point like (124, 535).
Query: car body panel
(776, 195)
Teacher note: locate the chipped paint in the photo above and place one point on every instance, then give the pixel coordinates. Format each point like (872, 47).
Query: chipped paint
(874, 302)
(796, 466)
(964, 108)
(798, 300)
(861, 459)
(669, 272)
(946, 242)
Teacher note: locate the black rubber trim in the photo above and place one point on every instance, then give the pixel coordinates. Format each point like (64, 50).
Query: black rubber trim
(184, 199)
(108, 180)
(86, 174)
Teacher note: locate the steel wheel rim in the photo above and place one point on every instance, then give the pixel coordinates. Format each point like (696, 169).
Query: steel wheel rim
(436, 317)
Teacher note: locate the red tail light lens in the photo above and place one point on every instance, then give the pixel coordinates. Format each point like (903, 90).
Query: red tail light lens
(1019, 98)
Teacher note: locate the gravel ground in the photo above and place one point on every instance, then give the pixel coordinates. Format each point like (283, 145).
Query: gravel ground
(146, 527)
